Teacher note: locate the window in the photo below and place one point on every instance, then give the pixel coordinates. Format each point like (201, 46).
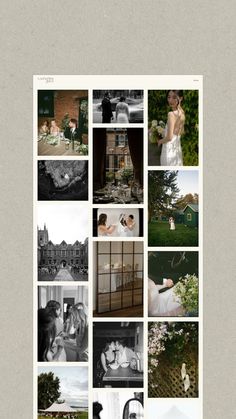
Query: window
(46, 103)
(189, 216)
(117, 155)
(119, 275)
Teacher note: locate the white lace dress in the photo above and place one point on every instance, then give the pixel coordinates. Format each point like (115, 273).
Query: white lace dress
(122, 113)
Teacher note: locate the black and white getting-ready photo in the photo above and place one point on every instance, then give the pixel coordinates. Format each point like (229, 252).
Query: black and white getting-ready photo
(128, 404)
(118, 354)
(62, 323)
(65, 180)
(62, 242)
(118, 106)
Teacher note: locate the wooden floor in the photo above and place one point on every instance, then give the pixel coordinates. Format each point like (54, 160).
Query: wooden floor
(136, 311)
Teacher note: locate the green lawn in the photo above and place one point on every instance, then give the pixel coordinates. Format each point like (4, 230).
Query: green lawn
(80, 415)
(159, 234)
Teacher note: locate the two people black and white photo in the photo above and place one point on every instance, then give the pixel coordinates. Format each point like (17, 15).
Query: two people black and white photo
(118, 106)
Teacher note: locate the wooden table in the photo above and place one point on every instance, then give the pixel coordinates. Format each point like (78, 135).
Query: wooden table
(125, 375)
(45, 149)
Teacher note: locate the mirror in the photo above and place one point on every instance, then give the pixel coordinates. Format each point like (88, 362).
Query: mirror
(133, 409)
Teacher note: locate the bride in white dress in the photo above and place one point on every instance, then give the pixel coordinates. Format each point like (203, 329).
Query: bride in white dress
(171, 153)
(172, 223)
(122, 111)
(126, 226)
(165, 303)
(122, 228)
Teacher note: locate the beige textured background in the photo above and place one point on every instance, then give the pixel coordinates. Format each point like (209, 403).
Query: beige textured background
(116, 37)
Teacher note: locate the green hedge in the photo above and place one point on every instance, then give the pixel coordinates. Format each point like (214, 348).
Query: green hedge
(158, 109)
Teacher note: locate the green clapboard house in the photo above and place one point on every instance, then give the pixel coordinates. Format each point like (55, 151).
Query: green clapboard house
(191, 215)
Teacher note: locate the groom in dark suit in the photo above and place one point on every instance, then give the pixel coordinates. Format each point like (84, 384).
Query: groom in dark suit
(107, 114)
(72, 132)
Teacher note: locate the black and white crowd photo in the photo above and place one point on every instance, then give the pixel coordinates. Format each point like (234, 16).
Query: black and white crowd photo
(62, 241)
(118, 106)
(118, 354)
(62, 323)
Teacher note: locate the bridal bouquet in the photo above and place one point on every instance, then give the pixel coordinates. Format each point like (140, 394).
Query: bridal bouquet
(187, 290)
(156, 131)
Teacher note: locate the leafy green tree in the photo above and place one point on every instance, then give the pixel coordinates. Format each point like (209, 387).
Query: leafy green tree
(162, 192)
(187, 199)
(48, 389)
(158, 109)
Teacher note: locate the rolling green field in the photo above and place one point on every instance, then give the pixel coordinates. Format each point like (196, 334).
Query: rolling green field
(80, 415)
(159, 234)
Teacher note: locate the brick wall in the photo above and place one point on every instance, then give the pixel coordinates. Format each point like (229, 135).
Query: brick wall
(65, 101)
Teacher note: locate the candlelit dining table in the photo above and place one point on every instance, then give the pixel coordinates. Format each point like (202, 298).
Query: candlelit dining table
(120, 194)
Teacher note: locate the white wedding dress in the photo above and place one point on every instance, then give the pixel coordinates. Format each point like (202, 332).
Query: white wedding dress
(162, 304)
(171, 152)
(172, 225)
(123, 231)
(122, 113)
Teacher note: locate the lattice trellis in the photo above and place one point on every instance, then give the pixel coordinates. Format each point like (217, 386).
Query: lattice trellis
(168, 383)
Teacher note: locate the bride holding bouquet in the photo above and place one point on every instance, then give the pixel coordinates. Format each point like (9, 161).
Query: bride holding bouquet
(171, 153)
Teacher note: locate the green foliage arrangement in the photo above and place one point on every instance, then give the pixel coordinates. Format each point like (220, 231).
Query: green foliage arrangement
(158, 110)
(109, 176)
(126, 175)
(65, 121)
(187, 290)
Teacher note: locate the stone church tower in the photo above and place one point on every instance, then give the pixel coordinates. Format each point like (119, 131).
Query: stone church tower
(43, 236)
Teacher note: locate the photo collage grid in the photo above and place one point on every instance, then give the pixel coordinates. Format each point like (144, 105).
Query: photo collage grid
(118, 247)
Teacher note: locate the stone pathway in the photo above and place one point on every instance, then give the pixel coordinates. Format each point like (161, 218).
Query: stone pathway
(63, 275)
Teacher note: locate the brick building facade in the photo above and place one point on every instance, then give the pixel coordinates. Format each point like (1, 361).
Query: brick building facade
(56, 104)
(117, 150)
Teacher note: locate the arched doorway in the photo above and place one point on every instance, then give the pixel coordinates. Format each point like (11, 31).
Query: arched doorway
(63, 263)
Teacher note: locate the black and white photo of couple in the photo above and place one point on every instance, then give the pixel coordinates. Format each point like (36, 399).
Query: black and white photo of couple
(62, 324)
(118, 354)
(118, 106)
(117, 222)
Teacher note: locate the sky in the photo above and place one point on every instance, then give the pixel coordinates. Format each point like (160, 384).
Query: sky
(69, 222)
(189, 407)
(187, 181)
(73, 383)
